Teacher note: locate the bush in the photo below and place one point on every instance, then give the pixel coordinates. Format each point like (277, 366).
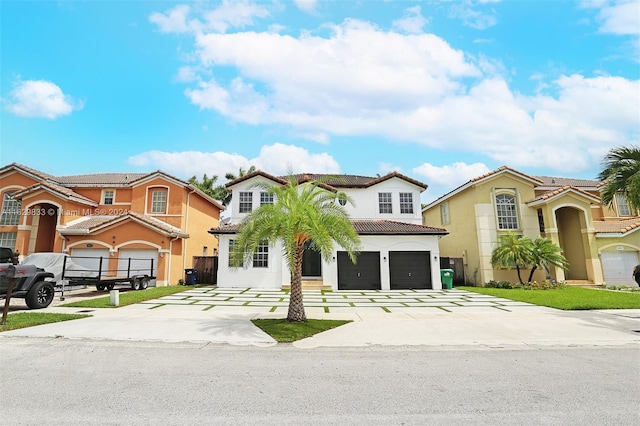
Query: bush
(534, 285)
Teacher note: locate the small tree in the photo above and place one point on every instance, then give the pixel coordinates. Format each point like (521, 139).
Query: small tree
(513, 251)
(300, 214)
(544, 253)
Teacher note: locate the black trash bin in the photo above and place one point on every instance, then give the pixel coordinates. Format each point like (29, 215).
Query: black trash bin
(190, 276)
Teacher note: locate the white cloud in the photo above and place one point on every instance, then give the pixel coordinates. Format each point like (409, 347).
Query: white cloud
(306, 5)
(413, 22)
(277, 159)
(363, 81)
(471, 17)
(442, 179)
(40, 98)
(621, 17)
(229, 14)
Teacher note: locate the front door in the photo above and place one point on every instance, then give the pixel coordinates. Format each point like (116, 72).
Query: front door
(311, 263)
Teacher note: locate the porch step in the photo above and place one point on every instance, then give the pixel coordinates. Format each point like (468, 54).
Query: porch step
(310, 285)
(581, 283)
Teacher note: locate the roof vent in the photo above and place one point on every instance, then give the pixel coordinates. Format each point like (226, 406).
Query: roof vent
(553, 180)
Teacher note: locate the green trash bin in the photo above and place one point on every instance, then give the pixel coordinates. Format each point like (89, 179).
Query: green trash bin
(446, 275)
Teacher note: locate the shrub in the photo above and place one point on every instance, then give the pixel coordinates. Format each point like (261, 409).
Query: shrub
(534, 285)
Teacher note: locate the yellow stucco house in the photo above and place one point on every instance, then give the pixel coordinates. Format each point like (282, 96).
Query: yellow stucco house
(113, 216)
(602, 244)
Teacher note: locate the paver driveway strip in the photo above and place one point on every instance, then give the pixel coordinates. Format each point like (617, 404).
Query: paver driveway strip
(420, 317)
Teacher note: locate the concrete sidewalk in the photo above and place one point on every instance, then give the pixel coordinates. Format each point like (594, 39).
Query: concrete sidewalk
(408, 318)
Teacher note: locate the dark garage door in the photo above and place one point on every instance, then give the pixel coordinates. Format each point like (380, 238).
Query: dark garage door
(364, 275)
(410, 269)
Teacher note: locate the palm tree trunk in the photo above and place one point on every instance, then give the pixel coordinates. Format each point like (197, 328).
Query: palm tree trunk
(296, 306)
(518, 270)
(531, 273)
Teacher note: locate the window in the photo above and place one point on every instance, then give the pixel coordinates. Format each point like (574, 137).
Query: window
(159, 201)
(506, 209)
(623, 206)
(10, 210)
(342, 199)
(266, 198)
(8, 239)
(406, 202)
(540, 221)
(108, 197)
(444, 213)
(246, 202)
(384, 202)
(261, 256)
(232, 249)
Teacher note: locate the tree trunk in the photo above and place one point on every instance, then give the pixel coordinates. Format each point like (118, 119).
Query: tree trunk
(531, 273)
(296, 306)
(519, 277)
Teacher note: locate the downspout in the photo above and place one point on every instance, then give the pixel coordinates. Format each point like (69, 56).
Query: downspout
(186, 229)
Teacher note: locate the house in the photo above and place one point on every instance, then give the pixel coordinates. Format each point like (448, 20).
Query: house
(114, 216)
(601, 244)
(397, 250)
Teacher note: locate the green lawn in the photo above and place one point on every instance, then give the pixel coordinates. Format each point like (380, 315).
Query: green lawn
(284, 331)
(29, 319)
(568, 298)
(130, 297)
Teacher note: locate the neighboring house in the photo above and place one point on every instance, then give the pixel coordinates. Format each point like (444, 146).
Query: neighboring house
(115, 216)
(601, 244)
(397, 251)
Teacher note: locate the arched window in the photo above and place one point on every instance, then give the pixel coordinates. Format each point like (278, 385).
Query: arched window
(506, 211)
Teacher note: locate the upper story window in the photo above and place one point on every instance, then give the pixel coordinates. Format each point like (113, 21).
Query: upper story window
(10, 210)
(159, 201)
(108, 197)
(246, 204)
(444, 213)
(261, 256)
(266, 198)
(623, 206)
(406, 202)
(384, 202)
(506, 211)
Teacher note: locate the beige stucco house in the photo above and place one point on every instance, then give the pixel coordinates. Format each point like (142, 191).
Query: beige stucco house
(602, 244)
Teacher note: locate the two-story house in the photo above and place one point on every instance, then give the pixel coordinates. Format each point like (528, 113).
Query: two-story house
(397, 250)
(113, 216)
(602, 244)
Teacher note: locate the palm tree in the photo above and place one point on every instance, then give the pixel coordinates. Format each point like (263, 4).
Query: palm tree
(621, 174)
(241, 172)
(206, 185)
(513, 250)
(300, 213)
(544, 253)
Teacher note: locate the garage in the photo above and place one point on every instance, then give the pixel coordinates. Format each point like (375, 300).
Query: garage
(410, 270)
(90, 258)
(137, 262)
(617, 267)
(364, 275)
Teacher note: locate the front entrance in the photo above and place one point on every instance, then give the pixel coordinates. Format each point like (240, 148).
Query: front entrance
(311, 263)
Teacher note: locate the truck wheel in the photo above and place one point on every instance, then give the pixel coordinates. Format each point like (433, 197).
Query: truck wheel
(41, 295)
(144, 283)
(100, 287)
(136, 284)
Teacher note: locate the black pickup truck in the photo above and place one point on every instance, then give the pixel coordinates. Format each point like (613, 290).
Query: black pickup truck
(36, 288)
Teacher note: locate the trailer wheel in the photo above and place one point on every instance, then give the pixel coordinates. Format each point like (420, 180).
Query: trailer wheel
(110, 286)
(144, 283)
(41, 295)
(100, 287)
(136, 284)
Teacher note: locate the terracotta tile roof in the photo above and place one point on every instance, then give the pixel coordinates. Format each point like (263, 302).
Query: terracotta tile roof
(503, 169)
(616, 226)
(365, 227)
(561, 181)
(551, 194)
(27, 170)
(61, 190)
(333, 180)
(89, 224)
(100, 179)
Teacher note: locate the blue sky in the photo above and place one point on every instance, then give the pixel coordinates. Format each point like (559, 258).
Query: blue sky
(441, 91)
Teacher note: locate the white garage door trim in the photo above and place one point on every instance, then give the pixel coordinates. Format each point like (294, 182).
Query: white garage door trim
(140, 263)
(617, 267)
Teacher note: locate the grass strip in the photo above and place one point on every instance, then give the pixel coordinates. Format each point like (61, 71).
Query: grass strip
(568, 298)
(129, 297)
(30, 319)
(284, 331)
